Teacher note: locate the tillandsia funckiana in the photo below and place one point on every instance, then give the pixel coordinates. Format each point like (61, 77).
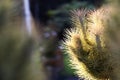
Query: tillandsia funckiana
(93, 52)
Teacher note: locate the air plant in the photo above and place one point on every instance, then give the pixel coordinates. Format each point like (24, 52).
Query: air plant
(88, 44)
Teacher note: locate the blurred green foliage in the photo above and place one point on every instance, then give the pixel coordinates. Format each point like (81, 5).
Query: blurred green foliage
(67, 68)
(19, 53)
(61, 15)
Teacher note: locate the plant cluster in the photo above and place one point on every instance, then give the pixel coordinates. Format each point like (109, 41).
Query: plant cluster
(92, 50)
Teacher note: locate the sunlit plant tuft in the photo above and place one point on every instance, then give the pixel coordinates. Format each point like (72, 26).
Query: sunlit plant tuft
(88, 44)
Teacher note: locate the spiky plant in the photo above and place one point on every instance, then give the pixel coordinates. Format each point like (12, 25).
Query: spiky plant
(89, 44)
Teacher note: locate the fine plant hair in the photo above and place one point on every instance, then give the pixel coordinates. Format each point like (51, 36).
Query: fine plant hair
(92, 51)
